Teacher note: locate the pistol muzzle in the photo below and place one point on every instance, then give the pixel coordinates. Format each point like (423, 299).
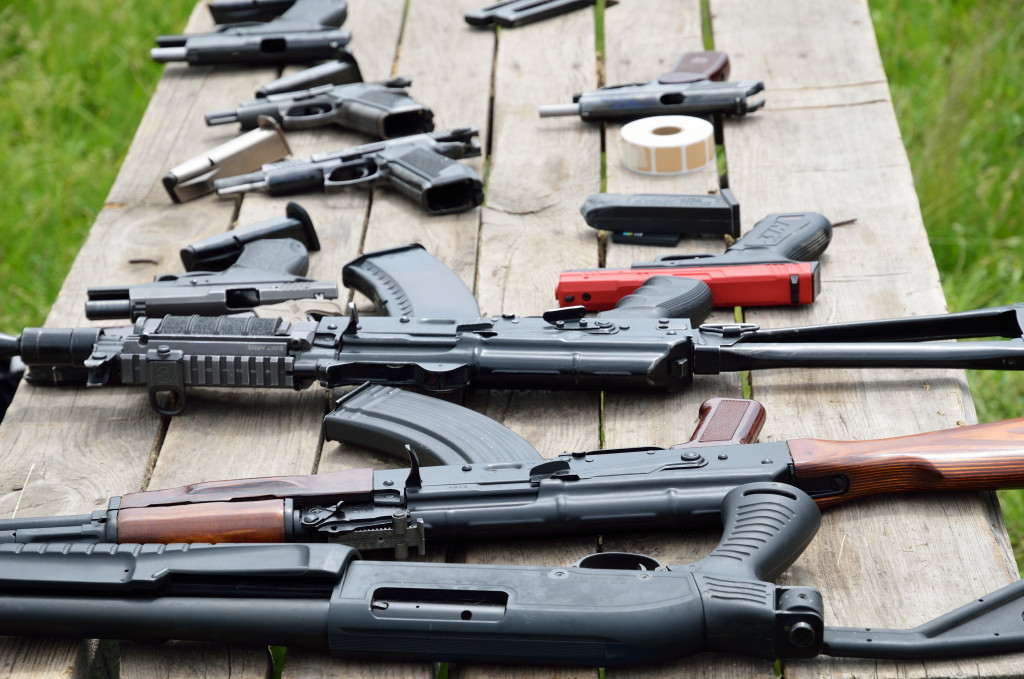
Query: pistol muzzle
(553, 110)
(165, 54)
(221, 117)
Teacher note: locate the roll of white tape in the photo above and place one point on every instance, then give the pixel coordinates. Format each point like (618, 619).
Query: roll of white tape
(667, 144)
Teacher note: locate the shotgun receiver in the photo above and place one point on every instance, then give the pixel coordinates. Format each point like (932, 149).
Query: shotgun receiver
(262, 32)
(772, 265)
(606, 609)
(598, 491)
(638, 345)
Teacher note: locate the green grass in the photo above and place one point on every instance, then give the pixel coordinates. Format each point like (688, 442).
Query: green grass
(953, 70)
(77, 77)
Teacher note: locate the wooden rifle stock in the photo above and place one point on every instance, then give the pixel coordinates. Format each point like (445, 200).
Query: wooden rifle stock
(974, 458)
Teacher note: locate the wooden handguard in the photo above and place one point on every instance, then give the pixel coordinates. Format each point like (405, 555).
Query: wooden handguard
(979, 457)
(258, 521)
(726, 422)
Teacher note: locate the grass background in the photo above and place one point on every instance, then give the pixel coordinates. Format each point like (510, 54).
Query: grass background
(76, 77)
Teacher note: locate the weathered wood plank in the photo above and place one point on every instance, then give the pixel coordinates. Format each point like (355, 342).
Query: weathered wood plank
(265, 433)
(111, 433)
(832, 145)
(540, 172)
(633, 55)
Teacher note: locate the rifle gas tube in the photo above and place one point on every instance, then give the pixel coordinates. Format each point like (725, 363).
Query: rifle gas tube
(327, 597)
(262, 32)
(772, 265)
(492, 484)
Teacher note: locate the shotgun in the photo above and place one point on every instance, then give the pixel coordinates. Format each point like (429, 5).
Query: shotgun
(606, 609)
(520, 494)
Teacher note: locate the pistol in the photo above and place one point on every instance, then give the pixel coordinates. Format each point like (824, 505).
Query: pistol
(420, 167)
(265, 263)
(383, 109)
(773, 265)
(691, 88)
(262, 32)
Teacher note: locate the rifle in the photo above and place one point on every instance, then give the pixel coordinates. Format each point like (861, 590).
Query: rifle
(264, 263)
(262, 32)
(382, 109)
(638, 345)
(484, 492)
(606, 609)
(771, 265)
(419, 166)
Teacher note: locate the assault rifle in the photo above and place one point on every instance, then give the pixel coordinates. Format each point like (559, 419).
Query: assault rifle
(494, 485)
(637, 345)
(606, 609)
(262, 32)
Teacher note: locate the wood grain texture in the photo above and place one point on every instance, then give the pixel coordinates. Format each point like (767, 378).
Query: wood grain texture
(827, 141)
(980, 457)
(540, 172)
(255, 521)
(636, 52)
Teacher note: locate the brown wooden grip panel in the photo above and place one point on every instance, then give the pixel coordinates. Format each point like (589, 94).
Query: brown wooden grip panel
(726, 422)
(348, 485)
(693, 66)
(258, 521)
(979, 457)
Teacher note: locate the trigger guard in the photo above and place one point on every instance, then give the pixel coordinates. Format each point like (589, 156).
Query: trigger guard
(622, 561)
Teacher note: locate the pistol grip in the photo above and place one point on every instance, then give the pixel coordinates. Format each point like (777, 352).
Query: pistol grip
(766, 528)
(726, 422)
(665, 297)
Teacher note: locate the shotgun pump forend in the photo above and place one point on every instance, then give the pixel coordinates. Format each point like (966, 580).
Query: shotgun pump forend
(262, 32)
(606, 609)
(421, 167)
(236, 271)
(382, 109)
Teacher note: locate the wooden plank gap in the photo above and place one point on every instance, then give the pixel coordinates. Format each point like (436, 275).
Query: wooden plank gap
(401, 34)
(154, 453)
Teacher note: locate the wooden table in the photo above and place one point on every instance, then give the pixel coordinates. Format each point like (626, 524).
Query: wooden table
(827, 141)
